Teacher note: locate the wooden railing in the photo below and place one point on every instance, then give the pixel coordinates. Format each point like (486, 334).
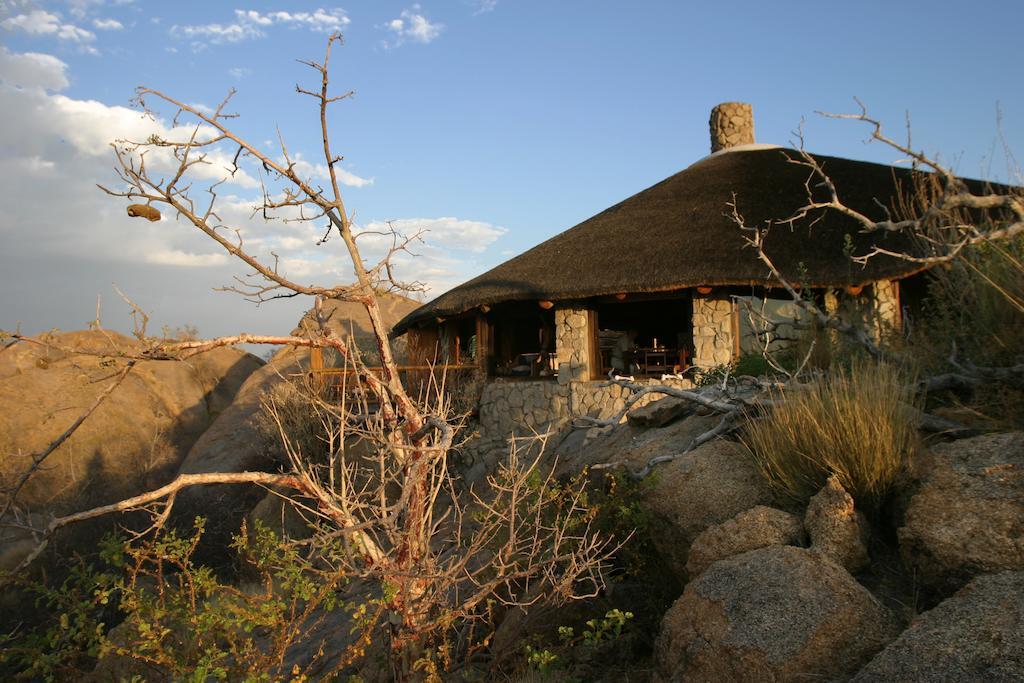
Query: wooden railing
(414, 377)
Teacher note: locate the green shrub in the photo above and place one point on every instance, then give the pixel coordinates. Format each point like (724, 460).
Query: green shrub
(855, 423)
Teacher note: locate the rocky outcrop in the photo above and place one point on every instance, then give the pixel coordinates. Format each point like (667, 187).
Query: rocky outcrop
(233, 443)
(837, 531)
(706, 486)
(755, 528)
(135, 438)
(774, 614)
(134, 441)
(659, 413)
(967, 516)
(628, 445)
(976, 635)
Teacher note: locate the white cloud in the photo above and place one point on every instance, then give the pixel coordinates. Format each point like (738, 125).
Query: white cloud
(107, 24)
(412, 25)
(319, 172)
(81, 8)
(218, 33)
(324, 21)
(32, 70)
(176, 257)
(445, 232)
(42, 23)
(239, 72)
(71, 241)
(483, 6)
(250, 25)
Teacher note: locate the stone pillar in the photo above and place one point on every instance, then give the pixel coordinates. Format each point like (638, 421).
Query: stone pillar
(885, 308)
(732, 123)
(712, 330)
(572, 345)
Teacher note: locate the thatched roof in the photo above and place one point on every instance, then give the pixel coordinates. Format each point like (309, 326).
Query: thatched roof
(678, 234)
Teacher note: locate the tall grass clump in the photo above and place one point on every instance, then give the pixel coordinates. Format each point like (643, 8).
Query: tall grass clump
(855, 423)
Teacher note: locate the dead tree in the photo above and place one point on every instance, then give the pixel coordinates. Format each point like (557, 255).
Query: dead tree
(440, 556)
(944, 217)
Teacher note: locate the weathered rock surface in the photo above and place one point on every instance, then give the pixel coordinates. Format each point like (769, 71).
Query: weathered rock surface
(659, 413)
(233, 442)
(134, 439)
(967, 517)
(758, 527)
(976, 635)
(774, 614)
(706, 486)
(837, 531)
(629, 445)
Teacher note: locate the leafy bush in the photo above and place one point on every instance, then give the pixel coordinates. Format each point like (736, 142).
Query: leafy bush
(74, 618)
(180, 621)
(855, 423)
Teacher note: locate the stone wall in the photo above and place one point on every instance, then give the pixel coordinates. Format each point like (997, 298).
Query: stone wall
(572, 345)
(522, 407)
(712, 330)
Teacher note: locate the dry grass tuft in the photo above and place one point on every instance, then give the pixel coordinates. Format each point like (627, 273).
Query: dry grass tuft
(855, 423)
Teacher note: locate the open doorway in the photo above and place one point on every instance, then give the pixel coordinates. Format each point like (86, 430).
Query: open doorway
(524, 341)
(645, 338)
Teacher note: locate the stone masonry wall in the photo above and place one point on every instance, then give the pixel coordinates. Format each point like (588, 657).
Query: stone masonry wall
(519, 408)
(572, 345)
(731, 123)
(712, 331)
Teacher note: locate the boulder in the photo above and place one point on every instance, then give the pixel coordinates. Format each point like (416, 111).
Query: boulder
(707, 486)
(659, 413)
(976, 635)
(774, 614)
(967, 516)
(628, 444)
(281, 516)
(137, 437)
(755, 528)
(837, 531)
(233, 443)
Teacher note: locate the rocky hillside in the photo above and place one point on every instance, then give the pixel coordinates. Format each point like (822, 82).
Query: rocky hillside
(930, 590)
(232, 443)
(166, 417)
(135, 440)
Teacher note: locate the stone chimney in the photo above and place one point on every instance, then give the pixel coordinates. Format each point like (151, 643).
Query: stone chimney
(732, 123)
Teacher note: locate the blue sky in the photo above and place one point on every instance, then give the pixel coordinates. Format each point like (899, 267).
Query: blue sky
(494, 124)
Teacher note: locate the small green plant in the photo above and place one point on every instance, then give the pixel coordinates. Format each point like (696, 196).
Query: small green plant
(607, 628)
(542, 661)
(856, 423)
(183, 622)
(596, 633)
(79, 612)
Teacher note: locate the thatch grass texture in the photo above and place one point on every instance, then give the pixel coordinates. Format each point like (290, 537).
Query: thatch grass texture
(855, 423)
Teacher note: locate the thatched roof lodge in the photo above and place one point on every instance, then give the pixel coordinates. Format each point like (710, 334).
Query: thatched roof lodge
(669, 264)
